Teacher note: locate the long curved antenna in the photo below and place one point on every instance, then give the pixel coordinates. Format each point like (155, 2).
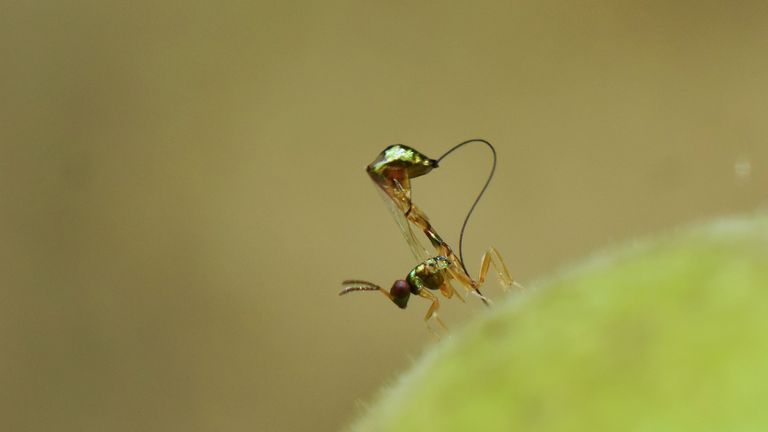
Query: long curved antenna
(480, 195)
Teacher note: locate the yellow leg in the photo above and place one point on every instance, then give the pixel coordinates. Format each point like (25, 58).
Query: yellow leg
(432, 311)
(471, 286)
(493, 257)
(457, 272)
(448, 291)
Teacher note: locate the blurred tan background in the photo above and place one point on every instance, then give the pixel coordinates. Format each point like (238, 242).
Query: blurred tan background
(182, 184)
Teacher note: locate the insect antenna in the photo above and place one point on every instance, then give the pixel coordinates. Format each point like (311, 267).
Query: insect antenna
(358, 282)
(358, 285)
(480, 195)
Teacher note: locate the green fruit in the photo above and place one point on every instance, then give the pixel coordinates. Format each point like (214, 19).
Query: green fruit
(665, 335)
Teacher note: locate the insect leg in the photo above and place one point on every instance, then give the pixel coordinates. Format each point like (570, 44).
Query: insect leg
(471, 286)
(432, 311)
(448, 291)
(492, 257)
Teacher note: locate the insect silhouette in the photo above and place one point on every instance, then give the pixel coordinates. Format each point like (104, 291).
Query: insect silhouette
(392, 172)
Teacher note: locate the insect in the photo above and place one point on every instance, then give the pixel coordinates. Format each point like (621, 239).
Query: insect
(392, 172)
(426, 276)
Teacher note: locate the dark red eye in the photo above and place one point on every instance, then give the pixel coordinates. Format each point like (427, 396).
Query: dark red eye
(400, 289)
(400, 293)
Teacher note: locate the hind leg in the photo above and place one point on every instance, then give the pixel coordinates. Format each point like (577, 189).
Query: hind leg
(492, 257)
(472, 287)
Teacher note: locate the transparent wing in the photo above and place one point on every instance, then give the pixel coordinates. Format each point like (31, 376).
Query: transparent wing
(420, 252)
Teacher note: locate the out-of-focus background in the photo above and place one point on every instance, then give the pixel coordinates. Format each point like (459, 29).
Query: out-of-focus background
(182, 184)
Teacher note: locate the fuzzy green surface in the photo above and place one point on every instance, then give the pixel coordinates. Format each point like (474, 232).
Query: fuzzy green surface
(664, 335)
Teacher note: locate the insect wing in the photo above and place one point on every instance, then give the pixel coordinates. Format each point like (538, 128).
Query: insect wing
(420, 252)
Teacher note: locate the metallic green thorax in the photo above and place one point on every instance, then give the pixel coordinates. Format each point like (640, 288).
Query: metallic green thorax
(429, 274)
(399, 162)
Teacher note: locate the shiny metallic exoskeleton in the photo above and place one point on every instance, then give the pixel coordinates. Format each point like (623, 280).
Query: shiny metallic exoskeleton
(392, 172)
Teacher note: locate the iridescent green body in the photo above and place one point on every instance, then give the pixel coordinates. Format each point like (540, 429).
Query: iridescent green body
(429, 274)
(392, 171)
(398, 163)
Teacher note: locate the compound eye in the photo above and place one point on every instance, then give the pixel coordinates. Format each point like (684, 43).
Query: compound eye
(400, 289)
